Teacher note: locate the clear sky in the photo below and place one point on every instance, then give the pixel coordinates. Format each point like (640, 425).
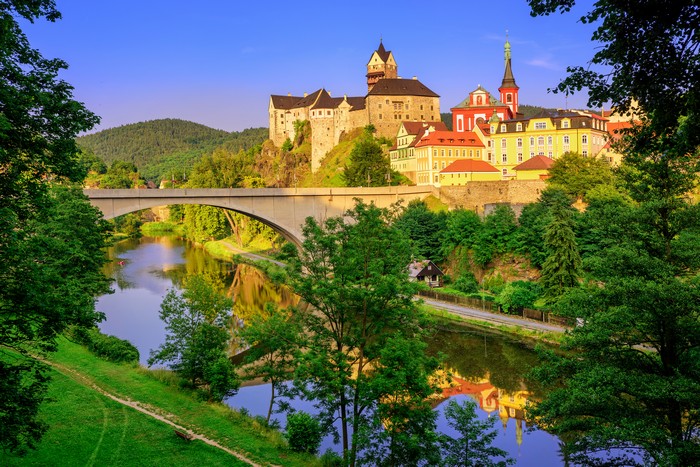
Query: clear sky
(216, 62)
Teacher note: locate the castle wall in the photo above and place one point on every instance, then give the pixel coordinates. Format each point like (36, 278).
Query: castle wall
(476, 195)
(387, 112)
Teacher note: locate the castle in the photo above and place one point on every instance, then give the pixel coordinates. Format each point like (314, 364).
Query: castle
(390, 100)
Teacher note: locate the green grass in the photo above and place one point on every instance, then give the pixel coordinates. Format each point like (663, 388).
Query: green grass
(155, 229)
(85, 424)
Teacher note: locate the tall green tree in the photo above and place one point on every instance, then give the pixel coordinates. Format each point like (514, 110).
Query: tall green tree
(575, 174)
(196, 343)
(425, 229)
(43, 289)
(356, 285)
(368, 165)
(496, 235)
(562, 268)
(634, 380)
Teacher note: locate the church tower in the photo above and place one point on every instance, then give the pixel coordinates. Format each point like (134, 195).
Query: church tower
(381, 65)
(508, 89)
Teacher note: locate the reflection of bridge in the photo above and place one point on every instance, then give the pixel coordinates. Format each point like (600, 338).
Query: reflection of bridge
(284, 209)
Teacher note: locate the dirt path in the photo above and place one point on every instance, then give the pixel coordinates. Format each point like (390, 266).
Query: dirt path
(145, 409)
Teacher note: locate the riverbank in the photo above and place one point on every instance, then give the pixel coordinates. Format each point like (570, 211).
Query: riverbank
(104, 413)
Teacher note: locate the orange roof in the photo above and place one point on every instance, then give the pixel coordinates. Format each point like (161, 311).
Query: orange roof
(414, 128)
(469, 165)
(535, 163)
(450, 138)
(615, 127)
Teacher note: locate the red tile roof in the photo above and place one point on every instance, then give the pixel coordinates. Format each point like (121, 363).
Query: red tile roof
(469, 165)
(450, 138)
(535, 163)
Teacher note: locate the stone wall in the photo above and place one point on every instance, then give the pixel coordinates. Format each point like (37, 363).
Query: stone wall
(478, 196)
(387, 120)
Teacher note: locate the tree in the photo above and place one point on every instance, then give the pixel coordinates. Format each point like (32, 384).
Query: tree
(356, 285)
(473, 447)
(273, 339)
(197, 341)
(634, 377)
(425, 229)
(38, 123)
(561, 269)
(496, 234)
(368, 166)
(517, 295)
(575, 174)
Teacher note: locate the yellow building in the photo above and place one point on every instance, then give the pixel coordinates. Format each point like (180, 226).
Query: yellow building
(401, 155)
(438, 149)
(549, 134)
(462, 171)
(536, 168)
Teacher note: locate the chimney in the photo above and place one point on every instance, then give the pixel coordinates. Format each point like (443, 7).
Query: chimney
(415, 77)
(289, 94)
(305, 94)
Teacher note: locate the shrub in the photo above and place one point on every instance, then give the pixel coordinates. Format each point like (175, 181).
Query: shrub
(466, 283)
(303, 432)
(518, 295)
(107, 347)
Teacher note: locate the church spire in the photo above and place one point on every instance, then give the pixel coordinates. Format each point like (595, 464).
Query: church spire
(508, 89)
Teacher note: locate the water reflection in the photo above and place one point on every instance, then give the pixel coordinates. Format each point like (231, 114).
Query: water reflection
(490, 369)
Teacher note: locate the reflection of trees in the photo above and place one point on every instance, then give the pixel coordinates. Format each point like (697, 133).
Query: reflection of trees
(251, 290)
(476, 355)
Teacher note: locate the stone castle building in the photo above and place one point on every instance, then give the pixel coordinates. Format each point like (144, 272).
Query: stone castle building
(390, 100)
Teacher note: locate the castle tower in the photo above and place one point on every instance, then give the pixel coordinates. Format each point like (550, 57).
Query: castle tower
(381, 65)
(508, 89)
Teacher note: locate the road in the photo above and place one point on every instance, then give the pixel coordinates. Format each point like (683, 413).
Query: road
(473, 313)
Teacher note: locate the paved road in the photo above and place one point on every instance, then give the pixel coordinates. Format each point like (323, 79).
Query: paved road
(250, 255)
(492, 317)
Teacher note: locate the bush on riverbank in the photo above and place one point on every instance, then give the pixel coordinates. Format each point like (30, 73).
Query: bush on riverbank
(108, 347)
(156, 229)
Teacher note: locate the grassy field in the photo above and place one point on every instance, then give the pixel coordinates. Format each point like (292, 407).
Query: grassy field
(88, 428)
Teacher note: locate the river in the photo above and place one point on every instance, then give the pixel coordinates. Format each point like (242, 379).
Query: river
(488, 368)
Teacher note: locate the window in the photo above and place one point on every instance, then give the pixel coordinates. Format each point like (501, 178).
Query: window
(489, 157)
(540, 125)
(479, 100)
(380, 116)
(504, 172)
(519, 127)
(509, 98)
(532, 141)
(584, 153)
(478, 153)
(532, 154)
(565, 124)
(380, 105)
(566, 140)
(520, 157)
(471, 152)
(549, 140)
(434, 165)
(503, 143)
(540, 141)
(328, 112)
(443, 164)
(504, 158)
(549, 154)
(442, 152)
(584, 139)
(434, 152)
(519, 142)
(449, 153)
(503, 128)
(421, 106)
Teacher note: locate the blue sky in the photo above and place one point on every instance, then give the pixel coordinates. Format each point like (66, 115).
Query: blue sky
(216, 62)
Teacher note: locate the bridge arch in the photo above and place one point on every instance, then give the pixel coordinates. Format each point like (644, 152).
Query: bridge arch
(283, 209)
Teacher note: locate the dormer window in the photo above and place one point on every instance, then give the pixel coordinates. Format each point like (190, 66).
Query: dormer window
(503, 128)
(519, 127)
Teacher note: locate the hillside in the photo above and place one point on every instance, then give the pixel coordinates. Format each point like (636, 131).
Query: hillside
(161, 147)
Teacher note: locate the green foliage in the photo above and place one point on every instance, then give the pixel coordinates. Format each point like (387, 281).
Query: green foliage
(165, 148)
(303, 432)
(287, 145)
(273, 341)
(643, 292)
(120, 175)
(575, 175)
(496, 235)
(195, 347)
(51, 241)
(425, 229)
(367, 164)
(356, 284)
(562, 268)
(474, 446)
(466, 283)
(108, 347)
(461, 229)
(516, 295)
(446, 118)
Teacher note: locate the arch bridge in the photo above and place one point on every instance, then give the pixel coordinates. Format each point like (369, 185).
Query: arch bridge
(284, 209)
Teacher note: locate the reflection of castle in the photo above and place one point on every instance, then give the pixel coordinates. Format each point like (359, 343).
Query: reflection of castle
(510, 405)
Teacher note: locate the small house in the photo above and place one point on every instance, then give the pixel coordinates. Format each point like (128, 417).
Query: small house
(425, 271)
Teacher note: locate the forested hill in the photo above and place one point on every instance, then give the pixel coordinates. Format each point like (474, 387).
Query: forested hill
(159, 146)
